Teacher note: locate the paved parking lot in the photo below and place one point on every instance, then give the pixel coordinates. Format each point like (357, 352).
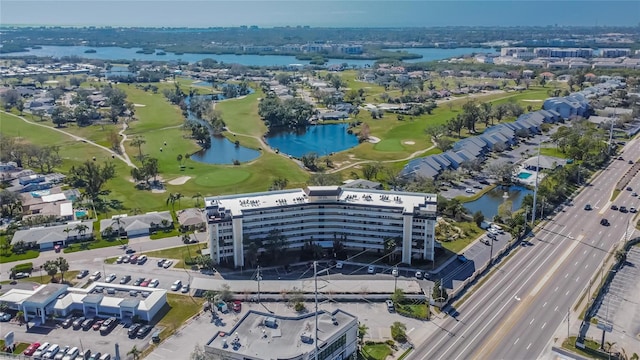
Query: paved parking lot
(83, 339)
(620, 307)
(200, 330)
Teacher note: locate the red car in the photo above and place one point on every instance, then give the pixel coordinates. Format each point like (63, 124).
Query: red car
(31, 349)
(237, 306)
(145, 283)
(97, 324)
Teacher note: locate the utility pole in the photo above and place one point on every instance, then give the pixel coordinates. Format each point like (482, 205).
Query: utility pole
(315, 280)
(491, 253)
(395, 278)
(568, 314)
(535, 190)
(258, 277)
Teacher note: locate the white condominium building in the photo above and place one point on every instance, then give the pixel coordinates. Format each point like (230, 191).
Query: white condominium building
(362, 219)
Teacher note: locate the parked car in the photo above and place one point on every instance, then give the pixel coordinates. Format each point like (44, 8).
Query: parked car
(31, 349)
(77, 323)
(4, 317)
(390, 306)
(371, 269)
(105, 356)
(95, 356)
(126, 258)
(110, 278)
(469, 191)
(67, 322)
(237, 306)
(62, 353)
(154, 283)
(486, 241)
(119, 259)
(125, 279)
(176, 285)
(167, 264)
(40, 351)
(71, 354)
(142, 259)
(138, 281)
(418, 274)
(185, 288)
(87, 323)
(161, 262)
(82, 274)
(143, 331)
(96, 325)
(133, 330)
(145, 283)
(339, 265)
(84, 355)
(95, 276)
(133, 259)
(51, 351)
(108, 325)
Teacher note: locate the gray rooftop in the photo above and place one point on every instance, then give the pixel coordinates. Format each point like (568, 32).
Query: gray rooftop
(46, 292)
(287, 338)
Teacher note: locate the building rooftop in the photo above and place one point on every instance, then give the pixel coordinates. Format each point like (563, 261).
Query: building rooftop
(236, 204)
(45, 292)
(268, 336)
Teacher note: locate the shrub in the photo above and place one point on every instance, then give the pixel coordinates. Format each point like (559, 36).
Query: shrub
(399, 332)
(299, 306)
(25, 267)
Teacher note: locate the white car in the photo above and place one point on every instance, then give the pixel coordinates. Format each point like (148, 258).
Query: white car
(394, 272)
(167, 264)
(111, 277)
(493, 231)
(154, 283)
(176, 285)
(119, 260)
(40, 351)
(71, 354)
(418, 274)
(339, 265)
(371, 269)
(469, 191)
(185, 289)
(96, 275)
(51, 351)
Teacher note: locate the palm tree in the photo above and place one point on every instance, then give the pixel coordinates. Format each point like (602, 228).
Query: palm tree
(81, 229)
(197, 196)
(179, 158)
(63, 266)
(362, 332)
(139, 141)
(210, 297)
(135, 353)
(67, 231)
(178, 196)
(118, 223)
(171, 200)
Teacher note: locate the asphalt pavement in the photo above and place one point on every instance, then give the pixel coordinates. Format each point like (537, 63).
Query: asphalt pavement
(515, 313)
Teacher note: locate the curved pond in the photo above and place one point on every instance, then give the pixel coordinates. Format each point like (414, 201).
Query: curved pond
(321, 139)
(222, 151)
(489, 202)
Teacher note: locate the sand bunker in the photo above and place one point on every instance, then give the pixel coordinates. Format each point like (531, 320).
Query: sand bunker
(180, 181)
(409, 142)
(158, 191)
(373, 139)
(139, 105)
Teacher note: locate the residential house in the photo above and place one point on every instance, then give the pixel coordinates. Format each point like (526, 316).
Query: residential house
(191, 219)
(136, 225)
(47, 237)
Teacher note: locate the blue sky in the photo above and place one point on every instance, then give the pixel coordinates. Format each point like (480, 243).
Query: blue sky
(330, 13)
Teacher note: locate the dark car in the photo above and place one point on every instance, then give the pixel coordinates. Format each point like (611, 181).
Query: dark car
(614, 207)
(604, 222)
(623, 209)
(82, 274)
(108, 325)
(130, 251)
(77, 323)
(133, 330)
(629, 188)
(630, 162)
(125, 279)
(138, 281)
(95, 356)
(587, 207)
(144, 331)
(84, 355)
(68, 322)
(87, 323)
(483, 182)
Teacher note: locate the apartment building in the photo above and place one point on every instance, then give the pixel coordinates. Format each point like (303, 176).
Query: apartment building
(362, 219)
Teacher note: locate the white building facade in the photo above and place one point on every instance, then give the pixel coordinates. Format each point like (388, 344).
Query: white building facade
(361, 219)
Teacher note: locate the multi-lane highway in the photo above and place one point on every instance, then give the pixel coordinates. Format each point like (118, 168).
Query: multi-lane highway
(516, 312)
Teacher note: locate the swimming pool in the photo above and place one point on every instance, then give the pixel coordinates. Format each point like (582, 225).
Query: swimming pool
(81, 213)
(40, 193)
(524, 175)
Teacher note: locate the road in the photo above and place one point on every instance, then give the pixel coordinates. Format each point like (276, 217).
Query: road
(516, 312)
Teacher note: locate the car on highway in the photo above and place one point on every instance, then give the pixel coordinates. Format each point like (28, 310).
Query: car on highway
(185, 289)
(31, 349)
(614, 207)
(130, 251)
(82, 274)
(133, 330)
(418, 274)
(110, 278)
(125, 279)
(371, 269)
(604, 222)
(634, 194)
(620, 158)
(587, 207)
(623, 209)
(629, 188)
(633, 210)
(630, 162)
(176, 285)
(95, 276)
(167, 264)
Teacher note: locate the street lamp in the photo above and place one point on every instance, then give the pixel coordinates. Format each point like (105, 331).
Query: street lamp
(535, 190)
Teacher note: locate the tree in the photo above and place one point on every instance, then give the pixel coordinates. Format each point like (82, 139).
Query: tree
(621, 255)
(63, 266)
(81, 229)
(179, 158)
(225, 294)
(390, 247)
(151, 168)
(210, 296)
(59, 116)
(199, 354)
(478, 218)
(370, 171)
(275, 243)
(5, 245)
(362, 332)
(398, 296)
(310, 161)
(399, 332)
(439, 293)
(279, 184)
(51, 267)
(172, 200)
(138, 141)
(197, 197)
(91, 178)
(135, 352)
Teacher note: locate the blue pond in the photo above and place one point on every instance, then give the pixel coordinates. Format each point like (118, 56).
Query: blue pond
(321, 139)
(222, 151)
(489, 202)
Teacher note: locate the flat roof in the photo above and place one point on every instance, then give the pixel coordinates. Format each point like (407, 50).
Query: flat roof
(287, 338)
(44, 292)
(405, 201)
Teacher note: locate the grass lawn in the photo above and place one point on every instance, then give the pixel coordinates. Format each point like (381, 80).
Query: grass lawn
(161, 234)
(96, 244)
(20, 346)
(178, 252)
(10, 256)
(378, 351)
(570, 344)
(420, 311)
(553, 152)
(69, 276)
(241, 115)
(471, 230)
